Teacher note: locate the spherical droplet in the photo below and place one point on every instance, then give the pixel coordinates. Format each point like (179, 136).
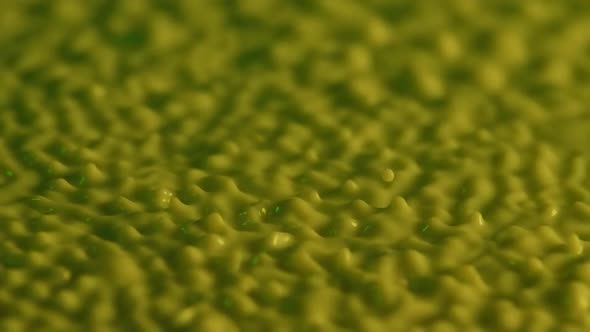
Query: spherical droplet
(387, 175)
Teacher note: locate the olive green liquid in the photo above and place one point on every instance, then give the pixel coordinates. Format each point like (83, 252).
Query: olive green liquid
(275, 165)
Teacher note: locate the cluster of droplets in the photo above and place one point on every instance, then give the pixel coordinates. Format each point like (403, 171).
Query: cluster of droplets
(300, 165)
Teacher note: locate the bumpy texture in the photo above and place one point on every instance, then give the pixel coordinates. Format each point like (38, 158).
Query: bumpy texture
(303, 165)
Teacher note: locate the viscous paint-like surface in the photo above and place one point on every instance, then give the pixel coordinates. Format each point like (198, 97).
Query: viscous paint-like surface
(269, 165)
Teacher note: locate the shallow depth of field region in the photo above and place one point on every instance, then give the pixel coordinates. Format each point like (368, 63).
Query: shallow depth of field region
(294, 166)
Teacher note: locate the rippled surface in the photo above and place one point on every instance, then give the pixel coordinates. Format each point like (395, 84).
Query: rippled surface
(294, 165)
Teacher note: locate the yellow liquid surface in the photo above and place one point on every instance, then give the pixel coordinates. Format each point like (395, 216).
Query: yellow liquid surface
(274, 165)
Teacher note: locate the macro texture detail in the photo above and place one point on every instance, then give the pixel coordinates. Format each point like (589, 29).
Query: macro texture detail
(294, 165)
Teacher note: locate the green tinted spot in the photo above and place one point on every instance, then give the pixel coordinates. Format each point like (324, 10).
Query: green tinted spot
(331, 231)
(424, 286)
(375, 295)
(254, 260)
(10, 260)
(28, 158)
(227, 303)
(291, 304)
(134, 38)
(195, 297)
